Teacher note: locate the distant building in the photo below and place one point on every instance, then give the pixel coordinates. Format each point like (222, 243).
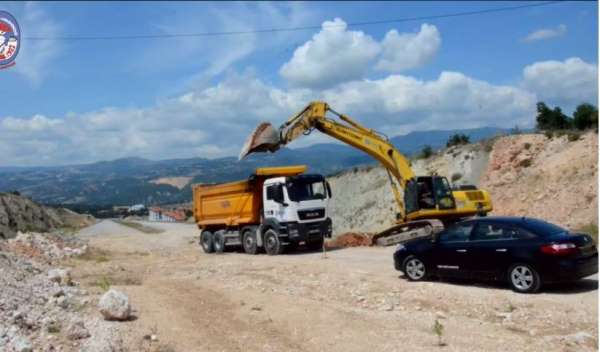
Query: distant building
(167, 215)
(136, 207)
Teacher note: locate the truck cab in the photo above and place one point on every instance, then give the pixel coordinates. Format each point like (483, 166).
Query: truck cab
(296, 208)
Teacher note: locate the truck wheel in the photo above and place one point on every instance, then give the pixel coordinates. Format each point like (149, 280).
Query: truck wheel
(272, 244)
(249, 242)
(206, 241)
(219, 242)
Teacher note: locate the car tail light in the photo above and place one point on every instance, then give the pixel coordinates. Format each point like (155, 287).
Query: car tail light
(559, 249)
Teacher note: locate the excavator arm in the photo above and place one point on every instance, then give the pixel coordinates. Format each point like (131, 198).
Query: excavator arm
(314, 116)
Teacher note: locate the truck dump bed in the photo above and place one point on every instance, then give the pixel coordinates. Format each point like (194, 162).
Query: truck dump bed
(236, 203)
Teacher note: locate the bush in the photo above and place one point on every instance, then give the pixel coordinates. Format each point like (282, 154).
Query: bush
(457, 139)
(527, 146)
(572, 137)
(426, 152)
(585, 117)
(549, 134)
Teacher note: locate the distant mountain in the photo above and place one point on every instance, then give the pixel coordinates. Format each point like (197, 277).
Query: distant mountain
(127, 181)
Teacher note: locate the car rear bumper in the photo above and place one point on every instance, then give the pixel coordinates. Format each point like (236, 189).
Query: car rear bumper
(572, 269)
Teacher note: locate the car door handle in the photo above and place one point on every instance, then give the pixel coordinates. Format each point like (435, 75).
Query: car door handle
(501, 250)
(461, 250)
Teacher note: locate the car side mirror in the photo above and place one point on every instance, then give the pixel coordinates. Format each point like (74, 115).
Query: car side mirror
(329, 194)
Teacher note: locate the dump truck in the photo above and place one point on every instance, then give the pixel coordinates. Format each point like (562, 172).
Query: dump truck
(275, 209)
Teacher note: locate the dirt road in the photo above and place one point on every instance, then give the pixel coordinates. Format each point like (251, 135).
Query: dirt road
(353, 300)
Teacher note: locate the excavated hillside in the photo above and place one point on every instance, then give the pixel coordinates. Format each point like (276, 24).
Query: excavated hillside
(19, 213)
(527, 175)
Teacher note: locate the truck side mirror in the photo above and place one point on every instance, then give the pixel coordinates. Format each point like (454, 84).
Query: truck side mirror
(329, 194)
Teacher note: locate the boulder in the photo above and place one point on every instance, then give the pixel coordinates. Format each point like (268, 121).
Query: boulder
(114, 305)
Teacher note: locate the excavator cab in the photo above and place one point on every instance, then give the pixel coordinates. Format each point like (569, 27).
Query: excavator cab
(428, 193)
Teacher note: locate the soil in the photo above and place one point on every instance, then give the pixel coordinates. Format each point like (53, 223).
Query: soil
(349, 299)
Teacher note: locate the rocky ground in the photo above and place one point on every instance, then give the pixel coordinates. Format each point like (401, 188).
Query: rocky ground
(555, 179)
(351, 300)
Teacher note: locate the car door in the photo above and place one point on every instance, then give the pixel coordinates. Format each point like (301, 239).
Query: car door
(493, 246)
(451, 254)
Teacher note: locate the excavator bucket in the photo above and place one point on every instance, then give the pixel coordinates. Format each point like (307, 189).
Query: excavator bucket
(264, 138)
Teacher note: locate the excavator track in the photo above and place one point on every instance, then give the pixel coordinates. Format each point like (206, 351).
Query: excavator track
(407, 231)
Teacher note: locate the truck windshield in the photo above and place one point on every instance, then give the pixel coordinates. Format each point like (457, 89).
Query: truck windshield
(300, 189)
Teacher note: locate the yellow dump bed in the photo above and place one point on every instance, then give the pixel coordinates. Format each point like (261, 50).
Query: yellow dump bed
(236, 203)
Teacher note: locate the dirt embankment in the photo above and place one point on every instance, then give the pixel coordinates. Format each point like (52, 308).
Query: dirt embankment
(526, 175)
(19, 213)
(553, 179)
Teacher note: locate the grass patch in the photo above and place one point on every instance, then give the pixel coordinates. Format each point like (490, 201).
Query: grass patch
(590, 229)
(96, 255)
(124, 279)
(103, 283)
(140, 227)
(54, 328)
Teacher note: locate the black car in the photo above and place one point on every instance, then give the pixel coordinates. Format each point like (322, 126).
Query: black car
(525, 252)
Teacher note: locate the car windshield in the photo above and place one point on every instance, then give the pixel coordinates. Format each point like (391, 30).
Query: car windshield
(300, 189)
(542, 228)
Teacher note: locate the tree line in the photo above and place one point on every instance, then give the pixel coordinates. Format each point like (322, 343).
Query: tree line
(584, 117)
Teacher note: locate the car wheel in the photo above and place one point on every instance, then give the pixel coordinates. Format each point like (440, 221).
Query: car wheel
(249, 242)
(523, 278)
(206, 241)
(414, 269)
(219, 242)
(272, 244)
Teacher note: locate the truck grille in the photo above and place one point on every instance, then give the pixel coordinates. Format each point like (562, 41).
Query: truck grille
(474, 195)
(311, 214)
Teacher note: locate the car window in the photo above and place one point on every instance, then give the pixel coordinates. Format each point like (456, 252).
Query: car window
(487, 231)
(456, 233)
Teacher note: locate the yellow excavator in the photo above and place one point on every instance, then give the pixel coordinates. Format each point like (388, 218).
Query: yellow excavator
(428, 202)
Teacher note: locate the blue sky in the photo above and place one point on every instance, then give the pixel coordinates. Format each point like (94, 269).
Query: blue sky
(82, 101)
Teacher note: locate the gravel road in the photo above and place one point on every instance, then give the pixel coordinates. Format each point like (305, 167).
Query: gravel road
(351, 300)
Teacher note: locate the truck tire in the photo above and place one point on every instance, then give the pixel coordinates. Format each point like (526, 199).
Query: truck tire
(249, 241)
(206, 242)
(272, 243)
(219, 242)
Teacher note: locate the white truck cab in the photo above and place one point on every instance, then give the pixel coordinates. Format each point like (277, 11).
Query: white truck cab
(296, 208)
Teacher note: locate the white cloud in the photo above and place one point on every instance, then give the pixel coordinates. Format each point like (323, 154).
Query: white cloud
(399, 104)
(214, 121)
(36, 56)
(564, 83)
(546, 33)
(333, 55)
(402, 51)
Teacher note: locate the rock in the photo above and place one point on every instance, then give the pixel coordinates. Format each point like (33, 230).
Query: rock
(153, 337)
(578, 337)
(440, 315)
(77, 330)
(22, 344)
(114, 305)
(62, 302)
(61, 276)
